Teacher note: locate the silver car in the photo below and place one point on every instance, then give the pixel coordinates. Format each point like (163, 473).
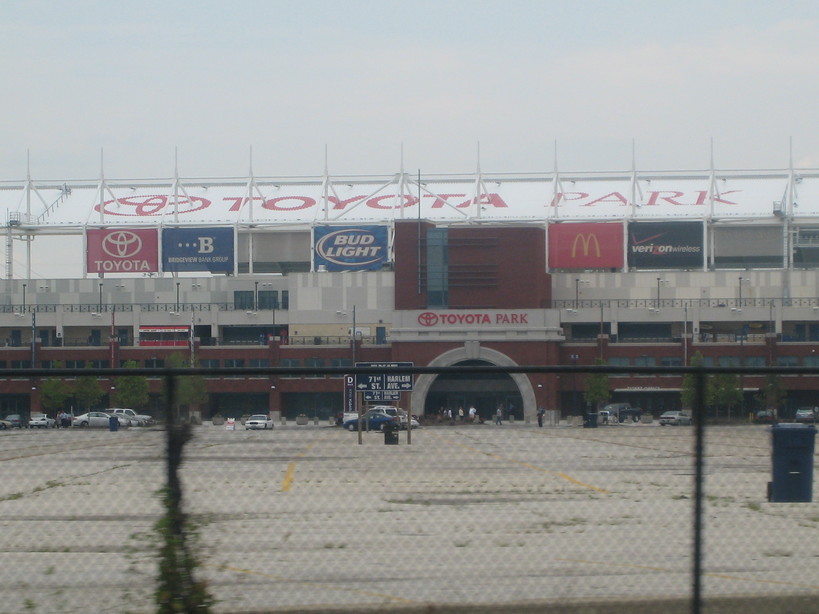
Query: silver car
(98, 419)
(41, 421)
(675, 418)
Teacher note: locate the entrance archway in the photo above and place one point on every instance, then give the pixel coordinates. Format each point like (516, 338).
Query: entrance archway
(473, 353)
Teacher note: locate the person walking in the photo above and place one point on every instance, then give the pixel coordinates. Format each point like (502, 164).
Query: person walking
(540, 412)
(499, 415)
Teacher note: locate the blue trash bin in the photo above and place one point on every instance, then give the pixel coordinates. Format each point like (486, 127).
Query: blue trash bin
(792, 459)
(113, 423)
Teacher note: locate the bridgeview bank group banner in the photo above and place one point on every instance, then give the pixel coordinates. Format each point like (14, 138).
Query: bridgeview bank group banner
(197, 249)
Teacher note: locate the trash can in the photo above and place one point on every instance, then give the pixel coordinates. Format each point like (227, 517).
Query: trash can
(792, 460)
(390, 435)
(113, 423)
(590, 420)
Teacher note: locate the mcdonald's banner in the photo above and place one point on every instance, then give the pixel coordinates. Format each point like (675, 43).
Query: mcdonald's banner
(665, 245)
(586, 246)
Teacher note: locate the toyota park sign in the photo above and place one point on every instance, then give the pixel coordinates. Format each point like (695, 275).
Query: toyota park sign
(122, 250)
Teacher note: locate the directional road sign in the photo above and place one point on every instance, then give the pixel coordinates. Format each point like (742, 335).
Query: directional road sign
(385, 382)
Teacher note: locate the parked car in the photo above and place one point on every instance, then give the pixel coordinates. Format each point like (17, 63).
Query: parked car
(674, 418)
(136, 419)
(765, 416)
(41, 421)
(259, 421)
(5, 424)
(807, 414)
(373, 420)
(16, 421)
(98, 419)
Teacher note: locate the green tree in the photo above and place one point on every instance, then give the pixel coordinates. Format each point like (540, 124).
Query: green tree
(53, 394)
(723, 391)
(774, 391)
(596, 387)
(88, 391)
(131, 390)
(191, 390)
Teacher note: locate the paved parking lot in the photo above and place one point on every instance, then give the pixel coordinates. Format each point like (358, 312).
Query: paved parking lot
(467, 518)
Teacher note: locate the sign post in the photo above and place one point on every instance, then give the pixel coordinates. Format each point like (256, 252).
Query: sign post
(385, 386)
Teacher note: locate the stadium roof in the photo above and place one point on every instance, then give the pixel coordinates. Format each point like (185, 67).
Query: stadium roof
(495, 198)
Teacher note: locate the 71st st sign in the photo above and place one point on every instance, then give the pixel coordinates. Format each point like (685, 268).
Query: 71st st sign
(386, 381)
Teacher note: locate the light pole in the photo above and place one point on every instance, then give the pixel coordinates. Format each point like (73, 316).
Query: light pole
(99, 307)
(660, 281)
(177, 297)
(574, 358)
(577, 283)
(24, 298)
(739, 298)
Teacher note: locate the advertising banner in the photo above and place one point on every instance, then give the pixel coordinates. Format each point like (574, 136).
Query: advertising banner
(350, 248)
(122, 250)
(665, 245)
(197, 249)
(586, 246)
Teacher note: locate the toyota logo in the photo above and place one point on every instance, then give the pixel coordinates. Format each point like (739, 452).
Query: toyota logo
(427, 319)
(122, 244)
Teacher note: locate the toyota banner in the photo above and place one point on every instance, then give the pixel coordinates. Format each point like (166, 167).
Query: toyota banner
(122, 250)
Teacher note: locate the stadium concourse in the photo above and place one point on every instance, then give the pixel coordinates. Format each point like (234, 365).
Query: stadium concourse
(632, 268)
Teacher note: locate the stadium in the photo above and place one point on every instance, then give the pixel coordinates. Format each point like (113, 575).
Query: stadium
(634, 268)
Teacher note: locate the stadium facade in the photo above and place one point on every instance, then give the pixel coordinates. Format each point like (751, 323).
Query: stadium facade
(635, 268)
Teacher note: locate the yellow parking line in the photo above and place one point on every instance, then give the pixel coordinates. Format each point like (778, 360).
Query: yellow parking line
(289, 475)
(559, 474)
(316, 584)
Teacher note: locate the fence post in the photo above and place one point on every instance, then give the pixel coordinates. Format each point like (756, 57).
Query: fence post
(699, 453)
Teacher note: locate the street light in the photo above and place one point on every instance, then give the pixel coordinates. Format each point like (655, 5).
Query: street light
(660, 281)
(739, 298)
(577, 283)
(574, 358)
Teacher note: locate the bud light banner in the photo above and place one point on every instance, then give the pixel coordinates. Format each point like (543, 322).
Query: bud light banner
(350, 248)
(665, 245)
(122, 250)
(197, 249)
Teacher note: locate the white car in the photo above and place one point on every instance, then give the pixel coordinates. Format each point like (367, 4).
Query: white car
(675, 418)
(98, 419)
(258, 422)
(41, 421)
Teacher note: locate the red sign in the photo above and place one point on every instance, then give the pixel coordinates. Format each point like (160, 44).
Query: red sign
(471, 318)
(586, 246)
(122, 250)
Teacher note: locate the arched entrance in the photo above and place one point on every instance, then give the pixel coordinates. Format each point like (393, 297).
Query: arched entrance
(486, 392)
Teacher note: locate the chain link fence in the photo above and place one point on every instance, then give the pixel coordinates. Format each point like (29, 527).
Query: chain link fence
(624, 517)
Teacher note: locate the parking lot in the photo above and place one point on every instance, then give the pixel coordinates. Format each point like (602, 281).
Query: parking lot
(466, 518)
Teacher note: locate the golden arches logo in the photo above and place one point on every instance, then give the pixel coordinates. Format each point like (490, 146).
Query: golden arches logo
(586, 240)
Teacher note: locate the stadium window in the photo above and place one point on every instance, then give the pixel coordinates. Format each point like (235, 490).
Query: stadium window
(259, 362)
(619, 361)
(290, 363)
(729, 361)
(754, 361)
(74, 364)
(154, 363)
(285, 299)
(21, 364)
(811, 361)
(341, 362)
(314, 363)
(670, 361)
(645, 361)
(243, 300)
(268, 299)
(787, 361)
(99, 364)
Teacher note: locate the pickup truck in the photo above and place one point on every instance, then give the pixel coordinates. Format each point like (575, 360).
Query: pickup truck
(620, 412)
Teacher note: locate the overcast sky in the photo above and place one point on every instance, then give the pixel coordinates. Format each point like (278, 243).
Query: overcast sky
(139, 79)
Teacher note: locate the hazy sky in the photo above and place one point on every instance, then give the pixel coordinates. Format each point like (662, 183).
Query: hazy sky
(138, 79)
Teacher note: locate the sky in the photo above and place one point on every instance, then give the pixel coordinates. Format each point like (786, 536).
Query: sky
(130, 86)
